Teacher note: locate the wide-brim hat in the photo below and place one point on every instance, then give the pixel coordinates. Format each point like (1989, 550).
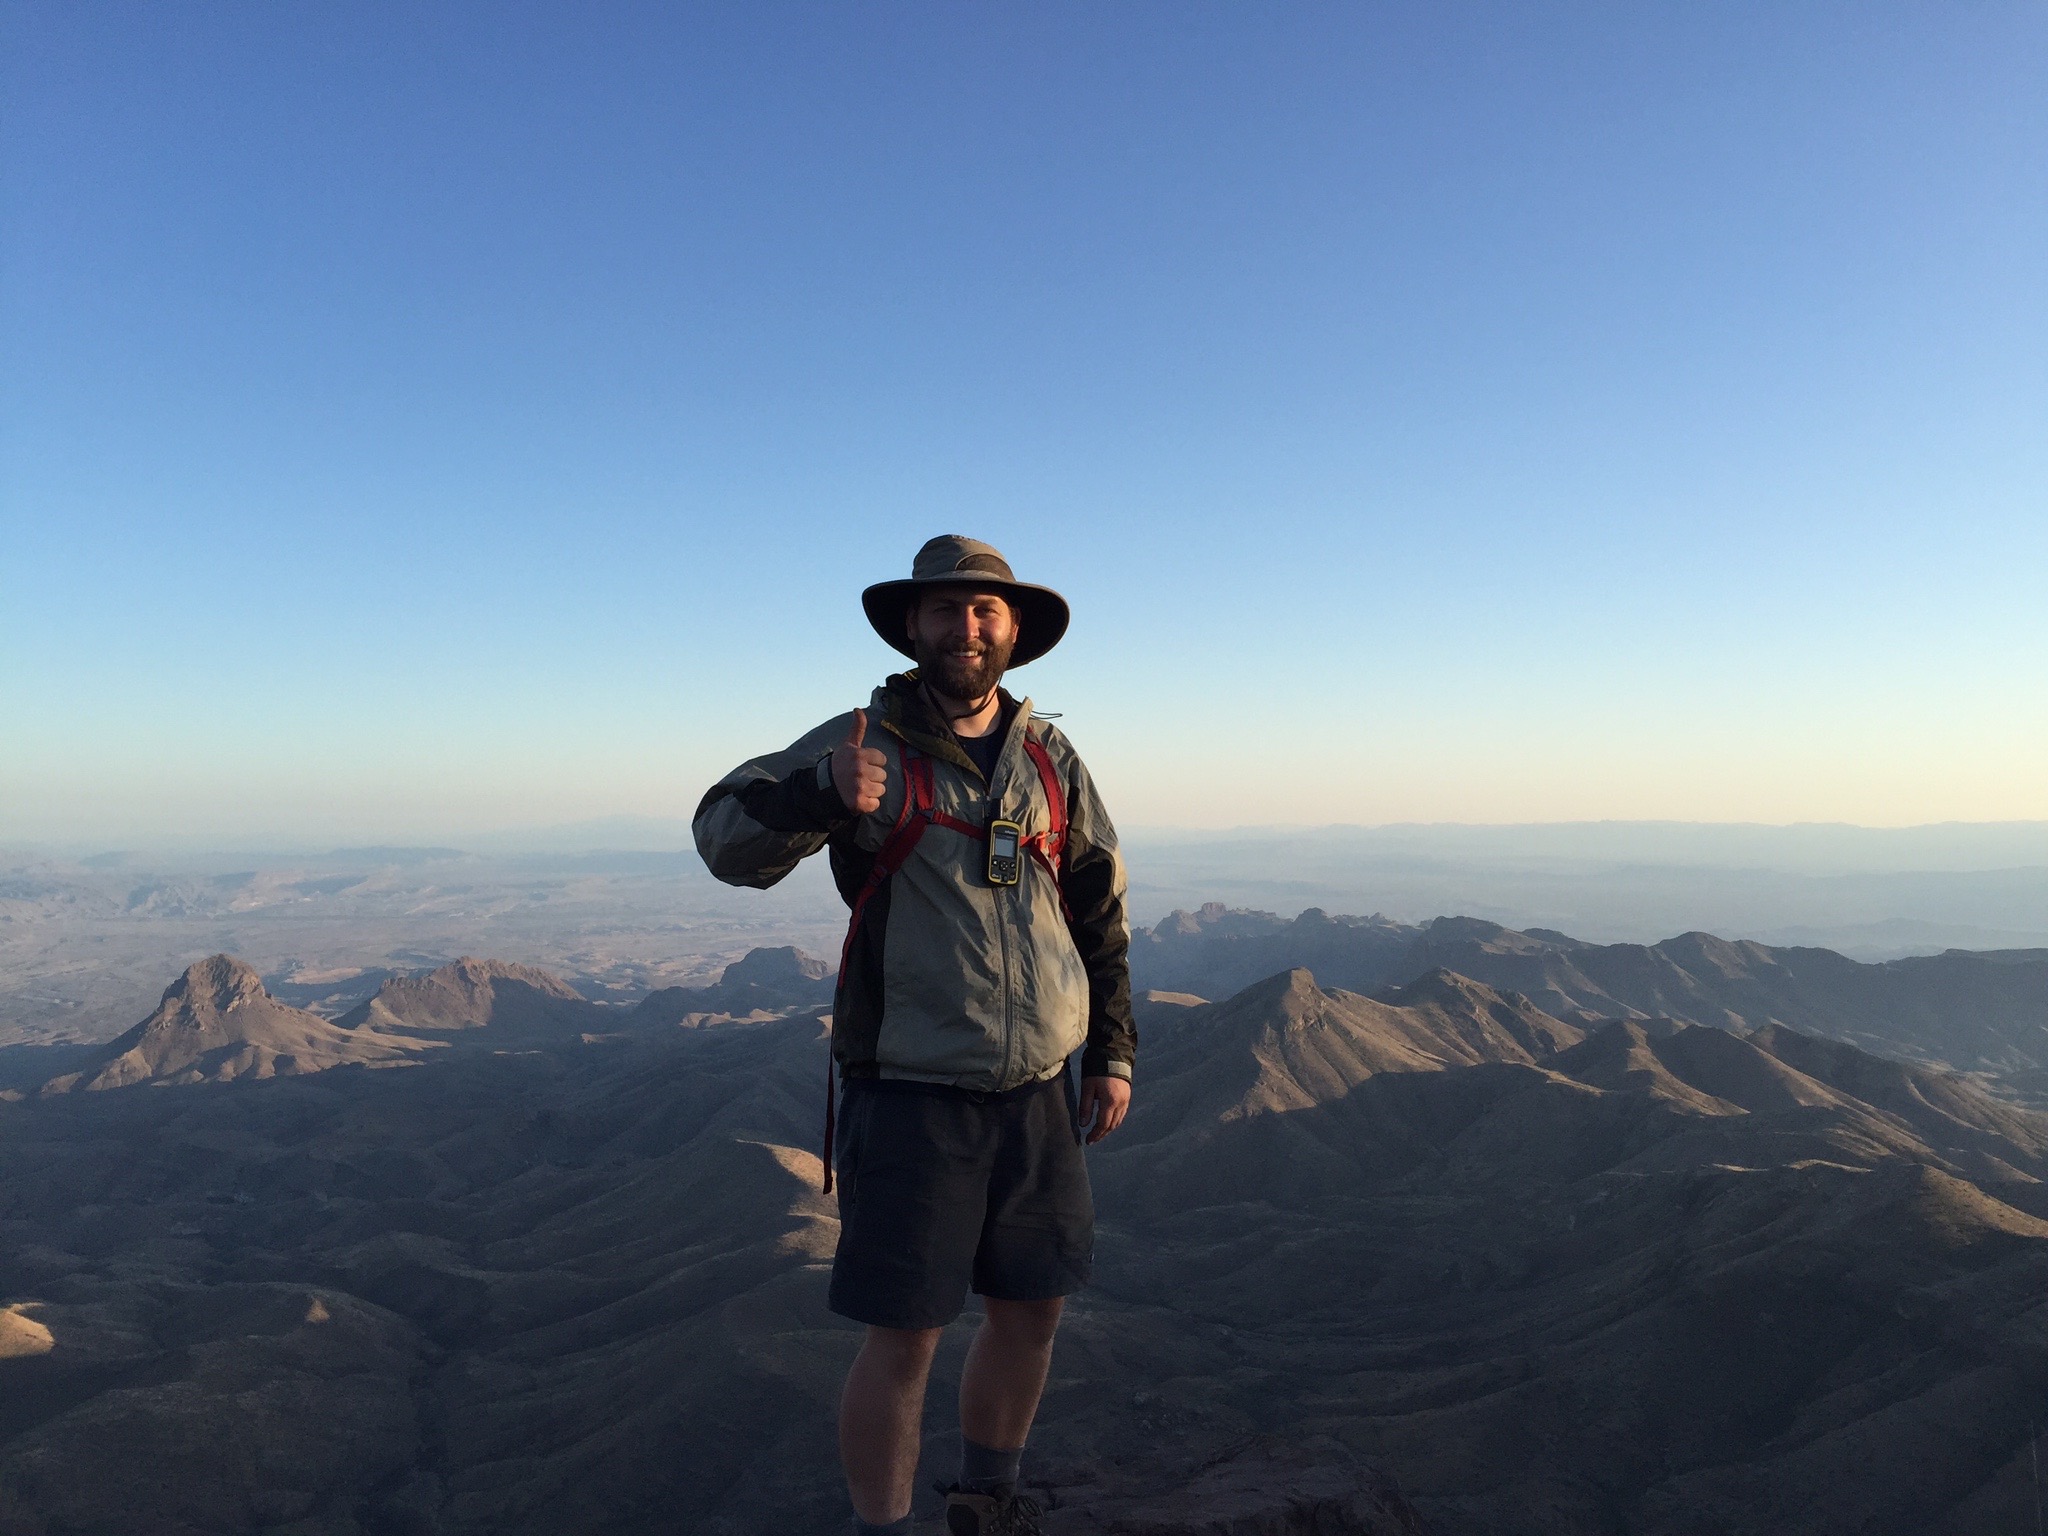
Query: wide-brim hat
(952, 560)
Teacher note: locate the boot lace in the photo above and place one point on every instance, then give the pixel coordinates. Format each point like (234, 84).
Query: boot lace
(1017, 1516)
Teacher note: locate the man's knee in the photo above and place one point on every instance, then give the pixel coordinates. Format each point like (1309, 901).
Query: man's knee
(905, 1352)
(1029, 1323)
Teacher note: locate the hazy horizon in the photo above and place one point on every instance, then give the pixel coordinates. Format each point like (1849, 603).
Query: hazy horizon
(1872, 893)
(2027, 839)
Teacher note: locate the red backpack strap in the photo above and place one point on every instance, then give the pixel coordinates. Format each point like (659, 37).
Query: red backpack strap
(912, 818)
(1050, 846)
(1054, 840)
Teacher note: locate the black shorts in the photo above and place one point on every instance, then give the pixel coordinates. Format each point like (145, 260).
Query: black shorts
(940, 1190)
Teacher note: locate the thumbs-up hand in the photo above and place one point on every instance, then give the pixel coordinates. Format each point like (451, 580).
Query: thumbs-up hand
(859, 773)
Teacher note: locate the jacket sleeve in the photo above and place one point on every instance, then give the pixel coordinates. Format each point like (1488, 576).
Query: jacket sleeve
(1092, 879)
(769, 814)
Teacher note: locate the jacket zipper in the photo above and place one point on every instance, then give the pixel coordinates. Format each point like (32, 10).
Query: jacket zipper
(996, 893)
(1009, 992)
(1008, 1052)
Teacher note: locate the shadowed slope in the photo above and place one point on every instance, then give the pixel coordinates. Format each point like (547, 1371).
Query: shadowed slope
(1666, 1280)
(1709, 1071)
(1284, 1043)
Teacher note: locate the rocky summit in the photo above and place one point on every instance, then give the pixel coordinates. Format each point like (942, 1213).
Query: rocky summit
(470, 994)
(216, 1023)
(760, 985)
(1423, 1256)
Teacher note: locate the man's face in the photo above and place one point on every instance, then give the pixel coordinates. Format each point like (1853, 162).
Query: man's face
(963, 639)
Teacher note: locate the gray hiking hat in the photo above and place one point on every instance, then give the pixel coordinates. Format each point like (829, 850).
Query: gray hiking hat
(954, 560)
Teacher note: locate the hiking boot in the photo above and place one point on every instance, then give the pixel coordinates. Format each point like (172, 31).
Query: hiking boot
(989, 1514)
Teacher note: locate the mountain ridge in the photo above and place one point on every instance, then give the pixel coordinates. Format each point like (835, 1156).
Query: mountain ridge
(1965, 1010)
(469, 993)
(216, 1023)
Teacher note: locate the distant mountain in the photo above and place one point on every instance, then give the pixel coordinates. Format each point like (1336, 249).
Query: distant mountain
(394, 854)
(474, 994)
(1284, 1043)
(1974, 1011)
(761, 984)
(635, 833)
(1216, 950)
(1870, 893)
(1303, 1059)
(216, 1023)
(1977, 1012)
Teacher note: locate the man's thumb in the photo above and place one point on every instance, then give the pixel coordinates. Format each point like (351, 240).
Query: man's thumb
(859, 732)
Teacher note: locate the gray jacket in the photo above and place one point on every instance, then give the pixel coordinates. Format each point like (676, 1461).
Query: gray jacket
(947, 978)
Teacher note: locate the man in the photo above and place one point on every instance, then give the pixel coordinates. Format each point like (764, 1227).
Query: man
(987, 943)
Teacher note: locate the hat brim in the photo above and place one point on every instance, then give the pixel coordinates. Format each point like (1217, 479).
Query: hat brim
(1041, 612)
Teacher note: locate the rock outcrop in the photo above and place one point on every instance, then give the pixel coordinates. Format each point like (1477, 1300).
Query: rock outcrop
(762, 984)
(216, 1023)
(475, 994)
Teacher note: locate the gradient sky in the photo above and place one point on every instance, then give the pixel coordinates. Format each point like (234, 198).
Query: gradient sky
(425, 419)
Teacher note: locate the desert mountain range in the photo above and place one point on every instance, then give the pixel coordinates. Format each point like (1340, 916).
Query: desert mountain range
(1386, 1248)
(1970, 1010)
(218, 1023)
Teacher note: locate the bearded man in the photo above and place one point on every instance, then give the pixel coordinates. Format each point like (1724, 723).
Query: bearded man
(987, 943)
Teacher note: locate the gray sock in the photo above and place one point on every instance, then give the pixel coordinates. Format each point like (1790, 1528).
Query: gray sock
(985, 1470)
(893, 1528)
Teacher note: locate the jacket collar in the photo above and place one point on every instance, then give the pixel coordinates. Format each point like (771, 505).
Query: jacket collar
(901, 707)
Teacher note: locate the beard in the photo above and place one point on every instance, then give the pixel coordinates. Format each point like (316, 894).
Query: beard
(964, 677)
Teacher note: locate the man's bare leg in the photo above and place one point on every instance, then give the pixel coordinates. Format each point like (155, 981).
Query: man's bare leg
(881, 1419)
(1005, 1371)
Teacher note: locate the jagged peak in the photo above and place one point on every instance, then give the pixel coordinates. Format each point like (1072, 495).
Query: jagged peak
(1297, 982)
(464, 993)
(477, 972)
(219, 981)
(777, 965)
(1214, 918)
(1285, 1000)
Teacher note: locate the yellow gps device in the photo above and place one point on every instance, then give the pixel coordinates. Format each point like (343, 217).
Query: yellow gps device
(1005, 850)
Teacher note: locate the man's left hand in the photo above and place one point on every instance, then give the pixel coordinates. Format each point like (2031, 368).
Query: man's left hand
(1104, 1103)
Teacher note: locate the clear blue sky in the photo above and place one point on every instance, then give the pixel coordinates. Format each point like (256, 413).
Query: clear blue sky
(421, 419)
